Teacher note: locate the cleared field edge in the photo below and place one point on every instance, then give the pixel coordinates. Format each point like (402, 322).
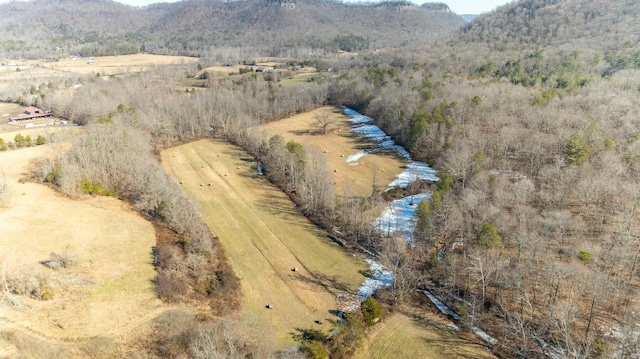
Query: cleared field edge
(281, 258)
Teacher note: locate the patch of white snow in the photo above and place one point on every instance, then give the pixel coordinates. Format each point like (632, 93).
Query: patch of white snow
(357, 156)
(441, 306)
(399, 215)
(380, 278)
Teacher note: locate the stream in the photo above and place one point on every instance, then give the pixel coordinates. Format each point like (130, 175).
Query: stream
(399, 215)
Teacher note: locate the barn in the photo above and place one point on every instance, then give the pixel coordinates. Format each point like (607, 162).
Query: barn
(31, 113)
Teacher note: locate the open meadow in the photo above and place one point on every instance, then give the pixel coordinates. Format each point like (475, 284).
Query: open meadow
(281, 258)
(105, 292)
(114, 65)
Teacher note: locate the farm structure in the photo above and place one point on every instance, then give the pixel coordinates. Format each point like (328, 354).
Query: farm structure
(31, 113)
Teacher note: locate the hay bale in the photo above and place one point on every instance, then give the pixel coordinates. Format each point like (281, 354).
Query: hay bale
(181, 182)
(209, 185)
(294, 269)
(269, 306)
(336, 170)
(201, 184)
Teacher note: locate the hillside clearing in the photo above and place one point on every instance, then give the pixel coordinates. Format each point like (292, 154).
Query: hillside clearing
(265, 238)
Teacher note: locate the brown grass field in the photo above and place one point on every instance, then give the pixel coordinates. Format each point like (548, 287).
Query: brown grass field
(353, 179)
(114, 65)
(104, 65)
(108, 293)
(265, 238)
(418, 334)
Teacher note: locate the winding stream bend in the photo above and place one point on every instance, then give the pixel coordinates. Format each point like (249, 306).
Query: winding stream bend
(399, 214)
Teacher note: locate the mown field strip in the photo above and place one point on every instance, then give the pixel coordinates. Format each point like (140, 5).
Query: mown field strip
(265, 238)
(419, 334)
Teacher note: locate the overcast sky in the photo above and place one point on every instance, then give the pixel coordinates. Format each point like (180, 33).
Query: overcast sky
(458, 6)
(473, 6)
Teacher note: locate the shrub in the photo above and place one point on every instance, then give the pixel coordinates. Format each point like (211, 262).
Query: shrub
(584, 256)
(53, 176)
(576, 150)
(489, 235)
(170, 287)
(94, 188)
(43, 292)
(19, 140)
(41, 140)
(315, 350)
(371, 311)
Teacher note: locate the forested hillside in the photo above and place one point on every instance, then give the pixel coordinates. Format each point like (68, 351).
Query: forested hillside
(531, 115)
(228, 29)
(602, 25)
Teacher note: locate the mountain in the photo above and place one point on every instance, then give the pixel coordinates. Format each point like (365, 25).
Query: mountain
(597, 24)
(200, 27)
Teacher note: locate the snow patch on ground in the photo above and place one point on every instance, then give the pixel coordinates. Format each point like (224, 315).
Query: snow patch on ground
(446, 310)
(414, 171)
(452, 326)
(356, 117)
(484, 336)
(399, 215)
(441, 306)
(357, 156)
(550, 351)
(380, 278)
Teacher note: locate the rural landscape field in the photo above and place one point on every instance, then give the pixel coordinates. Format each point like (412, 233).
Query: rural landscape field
(272, 248)
(318, 179)
(282, 259)
(105, 294)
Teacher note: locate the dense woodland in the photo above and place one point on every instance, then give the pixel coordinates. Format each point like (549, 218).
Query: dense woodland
(530, 115)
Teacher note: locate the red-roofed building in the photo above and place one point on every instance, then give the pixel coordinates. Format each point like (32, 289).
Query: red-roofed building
(32, 110)
(31, 113)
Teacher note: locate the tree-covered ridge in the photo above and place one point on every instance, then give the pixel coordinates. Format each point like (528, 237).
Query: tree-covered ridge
(602, 25)
(196, 27)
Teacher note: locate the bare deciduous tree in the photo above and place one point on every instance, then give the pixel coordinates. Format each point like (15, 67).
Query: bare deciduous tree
(323, 120)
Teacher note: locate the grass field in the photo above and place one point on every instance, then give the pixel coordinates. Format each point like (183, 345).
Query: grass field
(114, 65)
(107, 293)
(418, 334)
(355, 178)
(265, 238)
